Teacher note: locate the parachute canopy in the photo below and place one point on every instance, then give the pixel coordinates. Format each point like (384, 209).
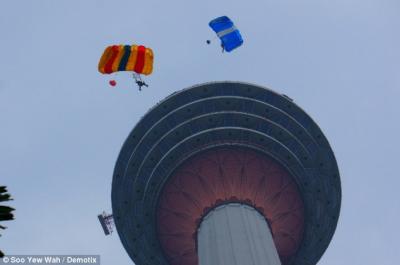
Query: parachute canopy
(227, 32)
(138, 59)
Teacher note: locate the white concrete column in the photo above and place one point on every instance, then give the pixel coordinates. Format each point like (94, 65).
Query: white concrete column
(235, 234)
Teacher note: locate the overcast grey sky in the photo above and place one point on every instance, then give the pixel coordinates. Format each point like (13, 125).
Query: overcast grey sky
(62, 126)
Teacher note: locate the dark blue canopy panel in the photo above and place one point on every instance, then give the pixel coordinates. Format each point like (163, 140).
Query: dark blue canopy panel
(227, 32)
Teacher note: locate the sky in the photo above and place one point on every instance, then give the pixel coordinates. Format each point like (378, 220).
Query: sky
(62, 125)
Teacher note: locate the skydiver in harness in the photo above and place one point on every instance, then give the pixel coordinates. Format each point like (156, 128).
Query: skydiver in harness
(139, 81)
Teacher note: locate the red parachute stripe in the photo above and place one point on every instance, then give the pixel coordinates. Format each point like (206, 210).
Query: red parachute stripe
(140, 59)
(108, 66)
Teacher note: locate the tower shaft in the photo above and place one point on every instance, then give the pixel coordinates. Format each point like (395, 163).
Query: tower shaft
(236, 234)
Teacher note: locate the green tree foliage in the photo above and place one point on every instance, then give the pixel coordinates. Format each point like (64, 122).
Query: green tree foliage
(5, 211)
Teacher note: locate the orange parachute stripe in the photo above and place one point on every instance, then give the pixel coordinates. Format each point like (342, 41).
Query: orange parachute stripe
(125, 58)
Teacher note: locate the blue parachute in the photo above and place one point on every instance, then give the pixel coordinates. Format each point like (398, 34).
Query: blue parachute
(227, 32)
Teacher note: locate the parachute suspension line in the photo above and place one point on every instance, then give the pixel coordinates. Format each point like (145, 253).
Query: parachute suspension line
(136, 77)
(213, 39)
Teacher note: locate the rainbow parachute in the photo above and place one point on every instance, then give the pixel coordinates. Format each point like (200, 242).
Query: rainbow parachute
(115, 58)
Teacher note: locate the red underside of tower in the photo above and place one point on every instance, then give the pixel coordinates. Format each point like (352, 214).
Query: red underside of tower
(223, 175)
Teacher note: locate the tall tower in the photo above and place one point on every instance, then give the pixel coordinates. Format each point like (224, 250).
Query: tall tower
(226, 173)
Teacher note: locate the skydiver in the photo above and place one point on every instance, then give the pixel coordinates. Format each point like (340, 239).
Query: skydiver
(140, 83)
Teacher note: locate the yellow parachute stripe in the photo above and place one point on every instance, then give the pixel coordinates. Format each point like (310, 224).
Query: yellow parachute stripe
(132, 58)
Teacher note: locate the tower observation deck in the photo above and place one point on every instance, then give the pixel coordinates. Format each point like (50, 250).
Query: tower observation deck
(226, 173)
